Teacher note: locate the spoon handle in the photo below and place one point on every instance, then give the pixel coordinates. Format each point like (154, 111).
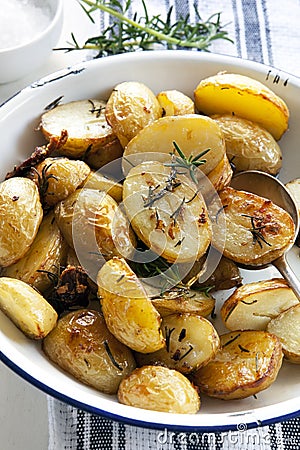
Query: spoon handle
(287, 273)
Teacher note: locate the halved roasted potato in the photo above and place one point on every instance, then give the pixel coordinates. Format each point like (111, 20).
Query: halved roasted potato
(257, 230)
(247, 363)
(159, 389)
(20, 217)
(127, 309)
(167, 212)
(192, 133)
(88, 131)
(44, 258)
(286, 326)
(248, 145)
(28, 309)
(130, 107)
(82, 345)
(175, 103)
(253, 305)
(239, 95)
(191, 341)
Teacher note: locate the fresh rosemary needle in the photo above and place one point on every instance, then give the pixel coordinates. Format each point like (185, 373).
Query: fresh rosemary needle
(145, 33)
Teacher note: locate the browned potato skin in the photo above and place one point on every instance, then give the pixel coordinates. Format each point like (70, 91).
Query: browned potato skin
(221, 175)
(253, 305)
(249, 146)
(80, 344)
(159, 389)
(130, 107)
(277, 228)
(128, 311)
(191, 342)
(247, 363)
(20, 217)
(286, 326)
(184, 301)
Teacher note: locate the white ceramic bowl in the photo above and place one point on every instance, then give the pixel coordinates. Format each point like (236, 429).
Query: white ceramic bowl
(21, 59)
(180, 70)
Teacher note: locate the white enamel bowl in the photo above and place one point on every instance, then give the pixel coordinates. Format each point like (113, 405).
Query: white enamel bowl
(180, 70)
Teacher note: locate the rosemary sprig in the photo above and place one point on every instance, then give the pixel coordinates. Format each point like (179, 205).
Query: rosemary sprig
(190, 163)
(257, 226)
(146, 32)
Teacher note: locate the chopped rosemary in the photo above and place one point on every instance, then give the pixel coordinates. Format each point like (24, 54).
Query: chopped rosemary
(243, 349)
(249, 303)
(94, 110)
(256, 230)
(145, 32)
(111, 357)
(177, 355)
(231, 340)
(168, 332)
(182, 334)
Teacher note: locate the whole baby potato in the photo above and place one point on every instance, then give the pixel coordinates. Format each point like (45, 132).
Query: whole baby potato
(82, 345)
(20, 217)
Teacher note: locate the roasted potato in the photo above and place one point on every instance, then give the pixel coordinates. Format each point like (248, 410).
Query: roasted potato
(130, 107)
(248, 145)
(97, 180)
(91, 221)
(60, 177)
(247, 363)
(20, 217)
(239, 95)
(257, 230)
(89, 135)
(175, 103)
(191, 341)
(286, 326)
(128, 311)
(253, 305)
(82, 345)
(192, 133)
(45, 256)
(159, 389)
(28, 309)
(220, 176)
(167, 213)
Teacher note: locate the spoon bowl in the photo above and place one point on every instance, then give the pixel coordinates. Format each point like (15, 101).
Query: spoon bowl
(267, 186)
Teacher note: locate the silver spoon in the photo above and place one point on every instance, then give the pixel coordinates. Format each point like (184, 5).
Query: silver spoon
(267, 186)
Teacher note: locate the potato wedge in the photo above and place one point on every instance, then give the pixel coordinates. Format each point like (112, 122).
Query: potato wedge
(166, 212)
(191, 342)
(286, 326)
(192, 133)
(130, 107)
(257, 230)
(248, 145)
(82, 345)
(159, 389)
(45, 256)
(128, 312)
(28, 309)
(247, 363)
(175, 103)
(239, 95)
(59, 178)
(20, 217)
(253, 305)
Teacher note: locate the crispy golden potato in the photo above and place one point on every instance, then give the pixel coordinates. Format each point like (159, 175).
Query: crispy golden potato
(130, 107)
(97, 180)
(175, 103)
(286, 326)
(82, 345)
(180, 300)
(191, 342)
(247, 363)
(28, 309)
(257, 230)
(253, 305)
(45, 256)
(220, 176)
(192, 133)
(167, 214)
(239, 95)
(20, 217)
(60, 177)
(248, 145)
(159, 389)
(88, 131)
(99, 225)
(128, 311)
